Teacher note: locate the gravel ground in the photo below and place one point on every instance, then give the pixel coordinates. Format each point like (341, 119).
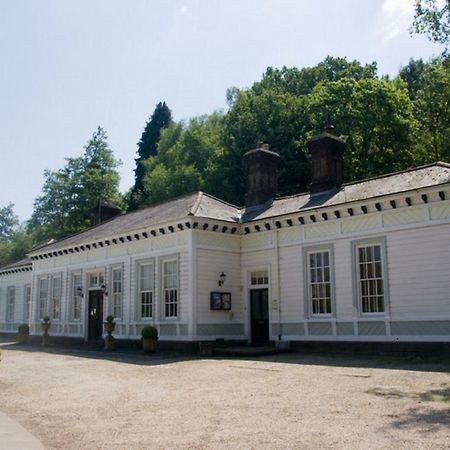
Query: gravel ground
(94, 400)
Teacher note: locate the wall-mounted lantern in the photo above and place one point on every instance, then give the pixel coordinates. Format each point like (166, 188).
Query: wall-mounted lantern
(222, 278)
(80, 292)
(103, 288)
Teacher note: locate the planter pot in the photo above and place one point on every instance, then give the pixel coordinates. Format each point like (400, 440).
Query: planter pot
(45, 326)
(109, 343)
(149, 345)
(109, 326)
(22, 338)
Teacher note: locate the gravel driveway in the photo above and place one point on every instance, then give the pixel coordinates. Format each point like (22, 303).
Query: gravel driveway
(94, 400)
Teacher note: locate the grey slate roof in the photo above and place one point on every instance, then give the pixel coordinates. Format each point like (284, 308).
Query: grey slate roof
(202, 205)
(16, 264)
(420, 177)
(197, 204)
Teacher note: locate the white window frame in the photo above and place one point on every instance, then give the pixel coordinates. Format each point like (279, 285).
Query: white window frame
(27, 302)
(42, 301)
(358, 294)
(149, 293)
(173, 305)
(76, 298)
(261, 277)
(10, 303)
(95, 279)
(313, 283)
(116, 296)
(56, 297)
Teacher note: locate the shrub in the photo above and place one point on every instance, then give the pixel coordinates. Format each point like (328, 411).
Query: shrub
(46, 319)
(24, 328)
(109, 318)
(149, 332)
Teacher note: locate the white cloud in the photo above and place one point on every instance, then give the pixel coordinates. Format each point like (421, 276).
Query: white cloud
(397, 18)
(183, 11)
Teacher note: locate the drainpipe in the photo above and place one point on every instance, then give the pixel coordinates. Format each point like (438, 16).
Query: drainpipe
(280, 326)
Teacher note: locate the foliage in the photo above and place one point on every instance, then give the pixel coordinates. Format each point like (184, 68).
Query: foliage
(188, 159)
(109, 319)
(8, 221)
(149, 332)
(433, 20)
(383, 121)
(24, 329)
(71, 195)
(429, 89)
(17, 246)
(289, 105)
(46, 319)
(147, 147)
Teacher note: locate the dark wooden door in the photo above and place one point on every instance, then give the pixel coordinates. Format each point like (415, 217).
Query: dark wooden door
(259, 314)
(95, 319)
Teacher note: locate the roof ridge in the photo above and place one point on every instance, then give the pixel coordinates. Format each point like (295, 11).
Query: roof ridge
(220, 200)
(196, 205)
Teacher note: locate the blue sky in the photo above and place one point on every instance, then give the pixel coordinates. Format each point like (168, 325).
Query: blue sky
(68, 66)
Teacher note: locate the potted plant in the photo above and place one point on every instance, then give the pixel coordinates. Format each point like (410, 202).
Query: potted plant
(109, 326)
(149, 337)
(23, 333)
(45, 326)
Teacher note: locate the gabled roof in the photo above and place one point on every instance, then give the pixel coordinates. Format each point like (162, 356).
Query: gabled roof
(197, 204)
(395, 183)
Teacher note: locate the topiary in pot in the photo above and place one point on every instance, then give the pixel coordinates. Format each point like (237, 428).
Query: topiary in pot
(45, 326)
(149, 338)
(109, 326)
(23, 333)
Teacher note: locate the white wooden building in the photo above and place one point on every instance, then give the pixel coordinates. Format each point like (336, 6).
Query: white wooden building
(365, 261)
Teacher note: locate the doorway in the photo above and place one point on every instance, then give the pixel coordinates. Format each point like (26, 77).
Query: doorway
(95, 318)
(259, 316)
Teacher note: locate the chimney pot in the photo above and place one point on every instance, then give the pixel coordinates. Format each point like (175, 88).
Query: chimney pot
(327, 159)
(262, 175)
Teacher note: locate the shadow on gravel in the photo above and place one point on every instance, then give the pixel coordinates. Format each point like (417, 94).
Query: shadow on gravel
(365, 361)
(429, 421)
(137, 357)
(127, 356)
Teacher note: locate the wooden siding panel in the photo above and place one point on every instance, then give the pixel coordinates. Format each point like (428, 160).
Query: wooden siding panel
(343, 279)
(291, 277)
(419, 273)
(210, 264)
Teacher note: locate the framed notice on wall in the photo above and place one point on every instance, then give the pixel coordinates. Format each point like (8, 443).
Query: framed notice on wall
(221, 301)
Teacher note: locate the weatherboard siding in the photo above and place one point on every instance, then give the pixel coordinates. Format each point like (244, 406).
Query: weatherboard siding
(210, 264)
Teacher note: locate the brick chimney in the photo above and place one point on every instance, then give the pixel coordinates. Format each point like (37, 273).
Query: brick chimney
(327, 160)
(262, 175)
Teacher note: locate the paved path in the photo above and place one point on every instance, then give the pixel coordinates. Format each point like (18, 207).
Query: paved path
(13, 436)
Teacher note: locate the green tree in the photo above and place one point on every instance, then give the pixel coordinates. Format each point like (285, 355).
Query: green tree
(8, 221)
(432, 109)
(71, 195)
(432, 18)
(376, 119)
(288, 106)
(189, 158)
(17, 246)
(147, 148)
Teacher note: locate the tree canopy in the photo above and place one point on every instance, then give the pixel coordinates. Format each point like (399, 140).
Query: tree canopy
(432, 17)
(8, 221)
(71, 195)
(147, 147)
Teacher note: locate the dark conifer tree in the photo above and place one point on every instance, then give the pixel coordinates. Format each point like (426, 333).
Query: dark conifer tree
(147, 147)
